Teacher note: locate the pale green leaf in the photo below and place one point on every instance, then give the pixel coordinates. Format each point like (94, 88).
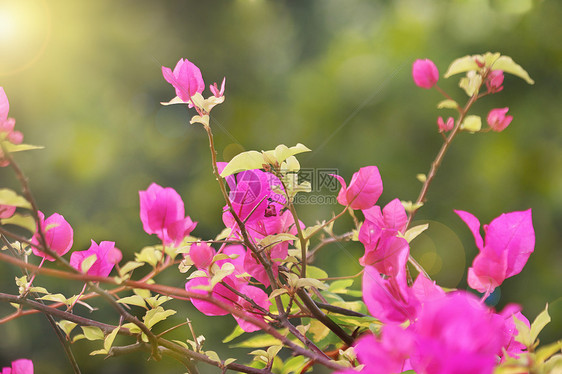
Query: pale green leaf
(277, 292)
(340, 286)
(99, 352)
(415, 231)
(294, 365)
(66, 326)
(213, 356)
(154, 316)
(282, 152)
(9, 197)
(539, 323)
(150, 255)
(471, 83)
(448, 104)
(316, 272)
(244, 161)
(108, 342)
(25, 221)
(204, 120)
(175, 100)
(553, 365)
(258, 341)
(234, 334)
(229, 361)
(506, 64)
(271, 240)
(134, 329)
(461, 65)
(133, 300)
(310, 282)
(523, 332)
(129, 266)
(11, 148)
(54, 297)
(472, 123)
(92, 333)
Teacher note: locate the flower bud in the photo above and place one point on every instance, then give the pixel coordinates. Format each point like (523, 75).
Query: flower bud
(494, 81)
(445, 126)
(425, 73)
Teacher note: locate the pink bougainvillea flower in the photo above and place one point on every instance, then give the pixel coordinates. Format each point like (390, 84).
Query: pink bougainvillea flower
(201, 255)
(364, 189)
(260, 298)
(509, 241)
(383, 248)
(511, 346)
(7, 124)
(162, 213)
(445, 126)
(6, 211)
(494, 81)
(389, 299)
(498, 120)
(58, 235)
(219, 292)
(186, 79)
(425, 73)
(21, 366)
(386, 354)
(456, 333)
(215, 90)
(106, 257)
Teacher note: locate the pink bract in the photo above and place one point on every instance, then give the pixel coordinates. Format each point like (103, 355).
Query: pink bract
(162, 213)
(425, 73)
(456, 333)
(498, 120)
(215, 90)
(21, 366)
(445, 126)
(509, 241)
(364, 189)
(6, 211)
(186, 79)
(106, 258)
(58, 235)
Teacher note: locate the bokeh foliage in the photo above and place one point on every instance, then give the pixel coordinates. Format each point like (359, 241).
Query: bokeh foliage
(84, 80)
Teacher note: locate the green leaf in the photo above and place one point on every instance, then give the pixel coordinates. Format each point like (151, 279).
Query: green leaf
(471, 83)
(234, 334)
(472, 124)
(539, 323)
(99, 352)
(448, 104)
(258, 341)
(310, 282)
(92, 332)
(25, 221)
(244, 161)
(154, 316)
(277, 292)
(523, 332)
(316, 272)
(130, 266)
(340, 286)
(133, 300)
(66, 326)
(213, 356)
(294, 365)
(271, 240)
(60, 298)
(461, 65)
(9, 197)
(150, 255)
(415, 231)
(108, 342)
(506, 64)
(11, 148)
(282, 152)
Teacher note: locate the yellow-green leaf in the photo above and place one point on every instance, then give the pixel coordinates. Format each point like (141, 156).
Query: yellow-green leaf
(9, 197)
(448, 104)
(461, 65)
(506, 64)
(472, 124)
(154, 316)
(133, 300)
(92, 333)
(25, 221)
(539, 323)
(412, 233)
(108, 342)
(248, 160)
(88, 263)
(11, 148)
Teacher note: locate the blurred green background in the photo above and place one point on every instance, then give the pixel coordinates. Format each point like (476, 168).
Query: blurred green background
(83, 79)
